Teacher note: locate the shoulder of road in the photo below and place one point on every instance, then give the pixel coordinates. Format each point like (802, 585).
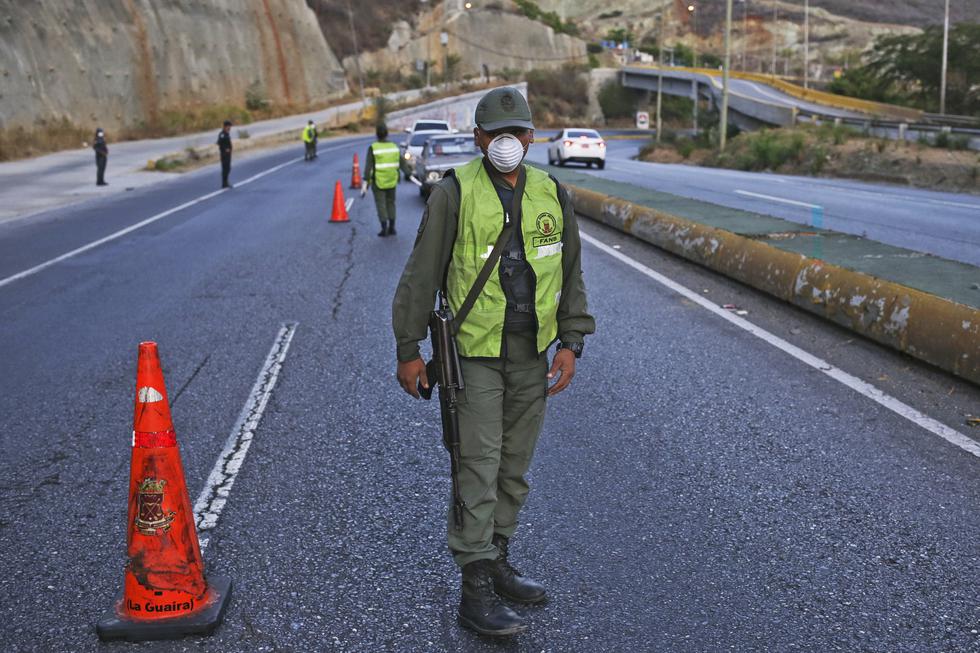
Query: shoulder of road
(923, 305)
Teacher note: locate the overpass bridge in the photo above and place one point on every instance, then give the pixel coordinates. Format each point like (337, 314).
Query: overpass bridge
(757, 100)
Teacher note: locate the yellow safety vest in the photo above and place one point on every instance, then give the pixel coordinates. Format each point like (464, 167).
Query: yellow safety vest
(481, 218)
(386, 160)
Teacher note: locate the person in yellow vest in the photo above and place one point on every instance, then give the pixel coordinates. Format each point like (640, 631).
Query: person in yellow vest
(381, 166)
(309, 140)
(531, 296)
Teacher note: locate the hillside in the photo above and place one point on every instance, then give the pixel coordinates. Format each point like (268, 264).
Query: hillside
(518, 44)
(373, 22)
(126, 62)
(913, 13)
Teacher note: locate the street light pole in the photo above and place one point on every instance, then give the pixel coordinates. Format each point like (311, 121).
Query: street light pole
(745, 33)
(428, 51)
(942, 78)
(723, 136)
(775, 26)
(806, 43)
(357, 52)
(660, 76)
(692, 11)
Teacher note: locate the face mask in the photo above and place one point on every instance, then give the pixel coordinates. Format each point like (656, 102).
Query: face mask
(505, 152)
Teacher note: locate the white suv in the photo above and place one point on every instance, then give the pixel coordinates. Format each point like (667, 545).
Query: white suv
(578, 145)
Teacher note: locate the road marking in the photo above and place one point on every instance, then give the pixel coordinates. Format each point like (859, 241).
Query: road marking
(875, 394)
(348, 203)
(910, 198)
(215, 493)
(778, 199)
(159, 216)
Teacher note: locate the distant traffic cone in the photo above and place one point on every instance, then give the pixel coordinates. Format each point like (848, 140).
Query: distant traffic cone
(355, 175)
(165, 594)
(339, 213)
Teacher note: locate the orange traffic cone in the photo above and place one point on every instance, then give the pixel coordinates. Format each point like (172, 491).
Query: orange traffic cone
(165, 594)
(339, 213)
(355, 175)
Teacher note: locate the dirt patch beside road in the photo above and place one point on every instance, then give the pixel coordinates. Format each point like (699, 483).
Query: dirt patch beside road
(829, 151)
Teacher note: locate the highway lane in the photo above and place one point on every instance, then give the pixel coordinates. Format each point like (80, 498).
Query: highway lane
(940, 223)
(771, 95)
(695, 489)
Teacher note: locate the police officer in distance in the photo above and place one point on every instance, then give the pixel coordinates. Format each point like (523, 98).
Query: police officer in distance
(101, 156)
(381, 166)
(309, 141)
(534, 296)
(224, 149)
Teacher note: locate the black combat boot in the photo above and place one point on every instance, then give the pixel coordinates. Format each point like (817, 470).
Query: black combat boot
(391, 228)
(384, 229)
(479, 607)
(510, 583)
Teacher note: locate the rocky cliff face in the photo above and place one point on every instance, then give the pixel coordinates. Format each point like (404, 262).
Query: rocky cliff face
(487, 36)
(123, 62)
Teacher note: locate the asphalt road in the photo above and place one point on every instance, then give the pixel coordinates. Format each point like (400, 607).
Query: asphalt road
(944, 224)
(696, 489)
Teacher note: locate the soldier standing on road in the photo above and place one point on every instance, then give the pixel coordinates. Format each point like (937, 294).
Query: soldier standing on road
(309, 140)
(534, 296)
(101, 156)
(224, 148)
(382, 163)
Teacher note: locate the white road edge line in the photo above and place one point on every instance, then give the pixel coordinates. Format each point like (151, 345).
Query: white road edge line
(777, 199)
(139, 225)
(211, 501)
(875, 394)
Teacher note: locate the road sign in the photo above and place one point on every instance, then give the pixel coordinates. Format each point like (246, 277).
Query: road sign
(642, 120)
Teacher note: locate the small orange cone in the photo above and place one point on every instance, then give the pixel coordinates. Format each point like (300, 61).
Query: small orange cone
(339, 213)
(355, 175)
(165, 594)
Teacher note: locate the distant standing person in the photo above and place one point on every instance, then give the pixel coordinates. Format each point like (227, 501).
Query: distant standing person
(224, 147)
(101, 156)
(309, 140)
(381, 168)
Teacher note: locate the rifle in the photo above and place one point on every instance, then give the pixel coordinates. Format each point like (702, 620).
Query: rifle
(444, 370)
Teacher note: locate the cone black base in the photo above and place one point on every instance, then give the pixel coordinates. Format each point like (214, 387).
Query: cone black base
(114, 627)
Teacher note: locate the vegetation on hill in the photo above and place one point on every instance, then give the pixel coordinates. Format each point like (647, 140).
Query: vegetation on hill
(531, 9)
(373, 22)
(905, 69)
(558, 96)
(828, 150)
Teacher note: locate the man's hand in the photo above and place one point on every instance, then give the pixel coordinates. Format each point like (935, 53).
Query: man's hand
(364, 186)
(562, 366)
(413, 371)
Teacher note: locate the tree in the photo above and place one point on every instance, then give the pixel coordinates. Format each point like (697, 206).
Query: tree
(905, 68)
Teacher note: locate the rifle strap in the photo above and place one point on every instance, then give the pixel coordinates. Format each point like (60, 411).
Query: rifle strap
(510, 221)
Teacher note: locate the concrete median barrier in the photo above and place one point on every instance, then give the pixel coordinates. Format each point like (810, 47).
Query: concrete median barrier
(936, 330)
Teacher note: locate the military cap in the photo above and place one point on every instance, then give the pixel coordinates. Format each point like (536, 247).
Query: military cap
(503, 107)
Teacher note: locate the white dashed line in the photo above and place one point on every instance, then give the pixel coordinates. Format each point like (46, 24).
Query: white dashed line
(952, 436)
(781, 200)
(210, 503)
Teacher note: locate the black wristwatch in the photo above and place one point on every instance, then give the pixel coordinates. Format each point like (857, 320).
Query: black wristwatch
(574, 347)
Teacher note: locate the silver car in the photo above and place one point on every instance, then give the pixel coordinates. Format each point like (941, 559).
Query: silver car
(441, 153)
(412, 147)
